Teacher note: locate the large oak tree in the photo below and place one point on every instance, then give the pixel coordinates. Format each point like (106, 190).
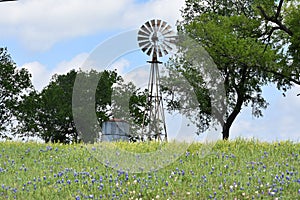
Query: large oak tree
(239, 38)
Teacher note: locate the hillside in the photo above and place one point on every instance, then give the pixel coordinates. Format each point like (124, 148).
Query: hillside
(230, 170)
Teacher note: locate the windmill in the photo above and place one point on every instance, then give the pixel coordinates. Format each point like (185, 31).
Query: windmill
(156, 38)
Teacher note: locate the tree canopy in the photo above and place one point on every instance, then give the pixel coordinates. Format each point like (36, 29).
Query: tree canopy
(236, 35)
(14, 84)
(49, 114)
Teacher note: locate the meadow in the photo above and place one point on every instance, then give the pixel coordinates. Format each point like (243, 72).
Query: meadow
(232, 170)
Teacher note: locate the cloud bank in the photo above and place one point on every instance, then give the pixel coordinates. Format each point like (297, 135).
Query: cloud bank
(41, 24)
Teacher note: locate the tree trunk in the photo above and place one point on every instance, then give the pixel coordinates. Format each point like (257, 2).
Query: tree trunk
(238, 106)
(225, 131)
(232, 116)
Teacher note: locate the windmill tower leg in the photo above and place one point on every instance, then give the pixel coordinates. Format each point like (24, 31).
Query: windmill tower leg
(156, 128)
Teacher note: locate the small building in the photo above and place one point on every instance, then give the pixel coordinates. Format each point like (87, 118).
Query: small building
(115, 130)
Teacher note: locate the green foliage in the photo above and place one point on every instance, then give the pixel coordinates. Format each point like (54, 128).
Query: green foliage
(128, 103)
(49, 114)
(229, 31)
(14, 83)
(280, 22)
(234, 170)
(292, 14)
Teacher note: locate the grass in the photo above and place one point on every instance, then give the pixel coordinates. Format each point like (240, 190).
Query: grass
(233, 170)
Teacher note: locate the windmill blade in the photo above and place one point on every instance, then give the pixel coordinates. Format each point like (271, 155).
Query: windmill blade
(140, 38)
(142, 44)
(170, 32)
(173, 40)
(153, 24)
(7, 0)
(158, 24)
(142, 33)
(164, 50)
(167, 46)
(148, 26)
(163, 25)
(172, 37)
(167, 30)
(146, 48)
(156, 38)
(159, 51)
(149, 52)
(145, 29)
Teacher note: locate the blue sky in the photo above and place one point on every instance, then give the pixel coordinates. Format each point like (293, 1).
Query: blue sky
(49, 37)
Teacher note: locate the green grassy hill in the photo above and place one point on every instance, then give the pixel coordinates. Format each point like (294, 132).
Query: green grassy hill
(231, 170)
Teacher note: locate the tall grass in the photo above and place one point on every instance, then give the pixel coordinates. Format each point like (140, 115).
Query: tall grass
(228, 170)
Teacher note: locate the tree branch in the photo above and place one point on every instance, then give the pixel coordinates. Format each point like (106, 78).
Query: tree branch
(279, 9)
(275, 19)
(289, 78)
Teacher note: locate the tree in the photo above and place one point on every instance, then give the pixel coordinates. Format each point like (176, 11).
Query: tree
(231, 32)
(14, 83)
(129, 103)
(50, 113)
(281, 22)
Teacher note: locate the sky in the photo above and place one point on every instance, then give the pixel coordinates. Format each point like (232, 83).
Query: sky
(52, 37)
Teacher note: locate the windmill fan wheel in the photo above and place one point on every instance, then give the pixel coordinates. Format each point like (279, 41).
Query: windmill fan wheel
(156, 38)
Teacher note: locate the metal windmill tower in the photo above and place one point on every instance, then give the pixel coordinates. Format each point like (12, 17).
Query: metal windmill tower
(156, 38)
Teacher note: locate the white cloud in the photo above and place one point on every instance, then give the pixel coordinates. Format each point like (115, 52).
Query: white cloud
(280, 120)
(120, 65)
(40, 24)
(41, 75)
(139, 76)
(75, 63)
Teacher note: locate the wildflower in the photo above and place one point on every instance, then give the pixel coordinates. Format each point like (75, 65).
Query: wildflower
(187, 154)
